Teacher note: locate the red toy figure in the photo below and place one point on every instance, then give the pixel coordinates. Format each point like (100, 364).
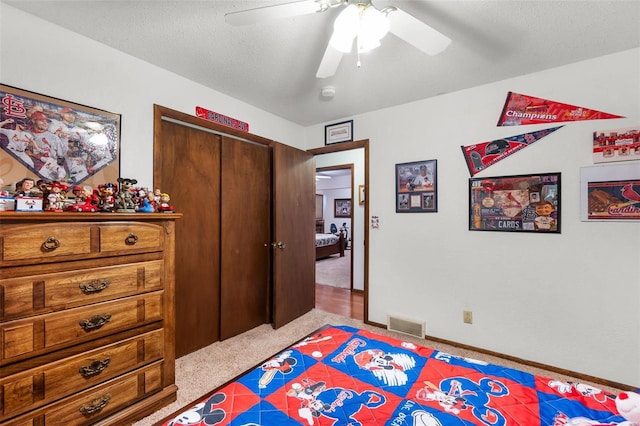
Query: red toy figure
(107, 192)
(55, 196)
(86, 200)
(164, 206)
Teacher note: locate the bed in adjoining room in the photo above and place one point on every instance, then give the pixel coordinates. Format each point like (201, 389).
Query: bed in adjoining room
(329, 244)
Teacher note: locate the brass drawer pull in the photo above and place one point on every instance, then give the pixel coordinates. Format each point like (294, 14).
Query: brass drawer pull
(94, 286)
(95, 322)
(51, 244)
(96, 367)
(95, 405)
(131, 239)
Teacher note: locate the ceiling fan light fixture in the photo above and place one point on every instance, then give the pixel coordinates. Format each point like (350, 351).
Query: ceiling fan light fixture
(341, 41)
(362, 21)
(374, 25)
(345, 28)
(366, 44)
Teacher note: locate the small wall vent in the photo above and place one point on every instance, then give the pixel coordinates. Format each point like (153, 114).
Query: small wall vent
(406, 326)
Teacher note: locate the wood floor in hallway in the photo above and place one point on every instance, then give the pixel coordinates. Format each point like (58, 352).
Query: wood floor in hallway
(340, 301)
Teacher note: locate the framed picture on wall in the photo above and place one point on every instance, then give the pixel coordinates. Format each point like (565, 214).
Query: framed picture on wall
(416, 187)
(338, 132)
(56, 140)
(319, 206)
(610, 193)
(616, 145)
(342, 207)
(520, 203)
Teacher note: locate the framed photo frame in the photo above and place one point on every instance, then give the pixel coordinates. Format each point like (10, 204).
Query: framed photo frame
(338, 132)
(319, 206)
(342, 207)
(519, 203)
(361, 194)
(51, 139)
(616, 145)
(610, 192)
(417, 187)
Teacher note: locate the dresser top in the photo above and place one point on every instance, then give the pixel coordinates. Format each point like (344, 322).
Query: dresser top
(9, 216)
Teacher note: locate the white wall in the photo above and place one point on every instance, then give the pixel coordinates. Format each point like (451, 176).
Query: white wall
(570, 300)
(96, 75)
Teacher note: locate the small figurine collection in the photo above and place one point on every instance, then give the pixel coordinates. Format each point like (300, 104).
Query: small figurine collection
(53, 196)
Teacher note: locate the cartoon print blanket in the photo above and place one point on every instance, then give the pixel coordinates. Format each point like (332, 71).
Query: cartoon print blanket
(340, 375)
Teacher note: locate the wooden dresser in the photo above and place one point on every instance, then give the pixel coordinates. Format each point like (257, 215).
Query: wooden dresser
(86, 317)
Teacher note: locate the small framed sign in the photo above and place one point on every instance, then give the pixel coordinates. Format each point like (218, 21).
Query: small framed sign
(338, 132)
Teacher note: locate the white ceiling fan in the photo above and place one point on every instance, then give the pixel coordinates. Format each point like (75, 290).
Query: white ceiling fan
(360, 21)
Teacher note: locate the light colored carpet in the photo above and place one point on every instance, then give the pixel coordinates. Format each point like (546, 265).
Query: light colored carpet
(202, 371)
(334, 271)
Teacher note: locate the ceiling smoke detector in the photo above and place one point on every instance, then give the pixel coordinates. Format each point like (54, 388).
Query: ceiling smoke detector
(328, 92)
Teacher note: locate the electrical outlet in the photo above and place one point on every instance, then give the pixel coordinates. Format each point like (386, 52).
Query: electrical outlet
(467, 317)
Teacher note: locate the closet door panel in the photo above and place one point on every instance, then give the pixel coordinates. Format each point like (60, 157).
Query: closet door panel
(245, 230)
(190, 173)
(293, 224)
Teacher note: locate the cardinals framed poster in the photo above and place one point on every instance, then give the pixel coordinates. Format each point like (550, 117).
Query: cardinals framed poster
(522, 203)
(55, 140)
(614, 200)
(610, 193)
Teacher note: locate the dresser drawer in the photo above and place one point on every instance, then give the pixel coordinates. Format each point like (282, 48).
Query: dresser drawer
(133, 236)
(33, 336)
(98, 402)
(24, 296)
(45, 242)
(39, 386)
(52, 242)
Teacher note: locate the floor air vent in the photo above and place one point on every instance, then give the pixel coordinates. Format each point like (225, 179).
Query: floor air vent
(406, 326)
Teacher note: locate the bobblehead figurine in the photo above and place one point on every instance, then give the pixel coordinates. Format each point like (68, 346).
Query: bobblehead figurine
(106, 192)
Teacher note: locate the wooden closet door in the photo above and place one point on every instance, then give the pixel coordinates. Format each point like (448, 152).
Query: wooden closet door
(189, 159)
(246, 222)
(293, 224)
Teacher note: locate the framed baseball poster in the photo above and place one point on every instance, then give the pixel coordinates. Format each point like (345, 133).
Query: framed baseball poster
(416, 187)
(521, 203)
(610, 193)
(50, 139)
(342, 207)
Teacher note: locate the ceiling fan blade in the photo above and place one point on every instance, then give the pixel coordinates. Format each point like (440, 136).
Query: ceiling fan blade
(417, 33)
(278, 11)
(330, 61)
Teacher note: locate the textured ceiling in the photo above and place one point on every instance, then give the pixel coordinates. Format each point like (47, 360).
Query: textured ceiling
(272, 64)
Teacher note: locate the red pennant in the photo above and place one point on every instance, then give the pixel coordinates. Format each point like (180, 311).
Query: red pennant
(522, 109)
(482, 155)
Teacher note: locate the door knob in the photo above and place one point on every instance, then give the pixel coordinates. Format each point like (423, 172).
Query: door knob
(279, 245)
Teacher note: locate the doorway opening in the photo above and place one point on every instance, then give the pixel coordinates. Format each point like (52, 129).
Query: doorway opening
(345, 167)
(334, 273)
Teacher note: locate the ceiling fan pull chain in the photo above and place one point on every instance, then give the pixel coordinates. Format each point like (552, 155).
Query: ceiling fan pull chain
(358, 64)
